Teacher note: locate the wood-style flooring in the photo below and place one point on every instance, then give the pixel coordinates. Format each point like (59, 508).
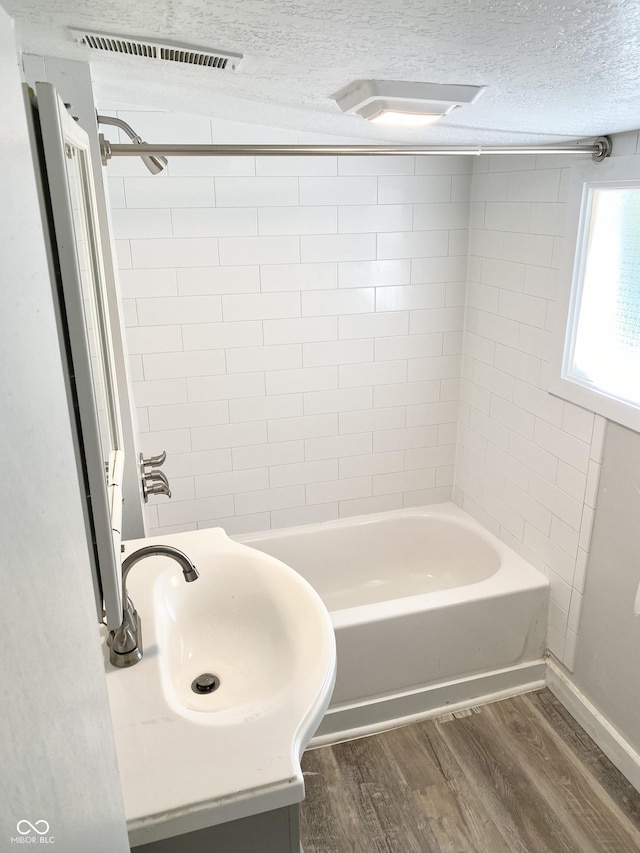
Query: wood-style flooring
(517, 775)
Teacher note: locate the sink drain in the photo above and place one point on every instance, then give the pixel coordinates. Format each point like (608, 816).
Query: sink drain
(205, 683)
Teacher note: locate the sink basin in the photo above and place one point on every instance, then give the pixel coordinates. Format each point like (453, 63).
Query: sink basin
(190, 760)
(249, 622)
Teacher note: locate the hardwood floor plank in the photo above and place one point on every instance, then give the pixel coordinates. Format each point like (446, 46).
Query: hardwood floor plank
(575, 796)
(432, 796)
(413, 754)
(327, 825)
(365, 813)
(480, 829)
(514, 804)
(442, 816)
(382, 798)
(442, 824)
(586, 750)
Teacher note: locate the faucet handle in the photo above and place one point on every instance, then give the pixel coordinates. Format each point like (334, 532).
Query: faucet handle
(125, 643)
(153, 461)
(156, 476)
(157, 489)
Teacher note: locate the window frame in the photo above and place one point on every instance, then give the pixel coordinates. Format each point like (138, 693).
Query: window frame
(585, 178)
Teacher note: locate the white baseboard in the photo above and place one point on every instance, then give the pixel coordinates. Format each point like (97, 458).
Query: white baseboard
(615, 747)
(355, 720)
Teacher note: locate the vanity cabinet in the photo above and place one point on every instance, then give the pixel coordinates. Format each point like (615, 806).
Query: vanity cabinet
(275, 831)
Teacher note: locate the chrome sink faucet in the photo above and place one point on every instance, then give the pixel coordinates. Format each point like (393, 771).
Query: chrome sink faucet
(125, 643)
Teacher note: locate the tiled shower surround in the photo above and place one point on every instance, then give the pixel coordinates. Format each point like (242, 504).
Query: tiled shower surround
(294, 327)
(295, 335)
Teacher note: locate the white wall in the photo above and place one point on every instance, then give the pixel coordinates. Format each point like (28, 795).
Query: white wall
(609, 632)
(528, 463)
(294, 326)
(56, 744)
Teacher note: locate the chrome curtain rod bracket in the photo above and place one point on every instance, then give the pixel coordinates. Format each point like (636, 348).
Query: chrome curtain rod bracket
(606, 146)
(600, 149)
(105, 149)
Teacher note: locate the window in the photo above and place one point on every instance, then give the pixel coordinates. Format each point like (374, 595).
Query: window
(598, 341)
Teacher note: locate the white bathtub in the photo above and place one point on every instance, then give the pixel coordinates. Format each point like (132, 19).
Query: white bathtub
(430, 610)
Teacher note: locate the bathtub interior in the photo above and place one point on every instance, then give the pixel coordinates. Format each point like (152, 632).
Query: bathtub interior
(375, 559)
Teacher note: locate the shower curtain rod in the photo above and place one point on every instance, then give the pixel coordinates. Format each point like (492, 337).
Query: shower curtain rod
(600, 148)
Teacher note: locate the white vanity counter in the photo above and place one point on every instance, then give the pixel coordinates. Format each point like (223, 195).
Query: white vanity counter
(192, 761)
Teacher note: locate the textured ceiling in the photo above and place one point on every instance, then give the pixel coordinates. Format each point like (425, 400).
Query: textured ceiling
(553, 70)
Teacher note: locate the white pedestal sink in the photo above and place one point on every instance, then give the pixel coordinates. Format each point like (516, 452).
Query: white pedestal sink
(189, 760)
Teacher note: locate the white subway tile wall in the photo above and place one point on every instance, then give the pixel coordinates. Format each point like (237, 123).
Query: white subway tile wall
(527, 463)
(294, 327)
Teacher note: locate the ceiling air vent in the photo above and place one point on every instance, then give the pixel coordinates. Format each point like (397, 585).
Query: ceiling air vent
(162, 50)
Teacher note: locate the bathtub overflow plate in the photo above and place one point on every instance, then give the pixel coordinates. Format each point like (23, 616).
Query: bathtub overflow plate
(205, 683)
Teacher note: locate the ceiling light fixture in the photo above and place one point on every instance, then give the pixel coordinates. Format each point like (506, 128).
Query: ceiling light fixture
(393, 117)
(402, 104)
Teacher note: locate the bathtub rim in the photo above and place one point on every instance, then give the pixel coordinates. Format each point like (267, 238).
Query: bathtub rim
(446, 509)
